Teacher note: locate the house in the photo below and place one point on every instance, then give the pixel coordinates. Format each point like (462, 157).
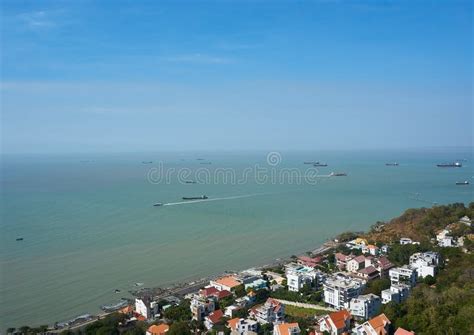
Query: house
(146, 307)
(231, 310)
(246, 300)
(309, 261)
(401, 331)
(368, 273)
(339, 289)
(356, 263)
(298, 275)
(371, 249)
(272, 311)
(425, 263)
(466, 220)
(239, 326)
(213, 318)
(273, 276)
(383, 265)
(402, 275)
(376, 326)
(406, 240)
(227, 283)
(202, 306)
(257, 284)
(365, 306)
(341, 260)
(384, 249)
(161, 329)
(396, 293)
(287, 329)
(335, 323)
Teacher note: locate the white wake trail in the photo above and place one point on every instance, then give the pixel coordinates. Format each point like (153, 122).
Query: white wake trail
(213, 199)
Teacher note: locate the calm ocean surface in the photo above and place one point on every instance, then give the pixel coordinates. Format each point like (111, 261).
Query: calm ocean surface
(89, 226)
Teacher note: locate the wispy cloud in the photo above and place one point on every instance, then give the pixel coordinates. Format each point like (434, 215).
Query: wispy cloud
(37, 19)
(198, 59)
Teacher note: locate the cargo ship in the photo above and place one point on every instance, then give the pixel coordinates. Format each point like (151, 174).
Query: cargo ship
(338, 174)
(202, 197)
(455, 164)
(320, 164)
(158, 204)
(462, 182)
(391, 164)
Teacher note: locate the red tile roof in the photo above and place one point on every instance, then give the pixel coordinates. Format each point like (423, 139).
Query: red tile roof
(379, 322)
(158, 329)
(216, 316)
(222, 294)
(368, 270)
(401, 331)
(232, 323)
(207, 291)
(339, 318)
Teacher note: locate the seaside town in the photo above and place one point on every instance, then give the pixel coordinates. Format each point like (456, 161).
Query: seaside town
(358, 283)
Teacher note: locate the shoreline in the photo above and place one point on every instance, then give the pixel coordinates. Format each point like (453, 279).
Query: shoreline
(180, 289)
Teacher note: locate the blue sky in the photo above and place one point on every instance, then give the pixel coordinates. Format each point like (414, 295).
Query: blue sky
(98, 76)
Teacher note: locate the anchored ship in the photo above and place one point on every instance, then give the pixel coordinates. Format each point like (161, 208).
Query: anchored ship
(202, 197)
(454, 164)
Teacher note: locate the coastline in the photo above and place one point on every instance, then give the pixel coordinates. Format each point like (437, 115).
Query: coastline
(180, 289)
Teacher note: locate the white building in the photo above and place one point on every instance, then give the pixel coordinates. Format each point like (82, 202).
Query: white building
(406, 240)
(356, 264)
(297, 275)
(365, 306)
(242, 326)
(425, 263)
(396, 293)
(402, 275)
(202, 306)
(287, 329)
(466, 220)
(380, 325)
(146, 307)
(339, 289)
(271, 311)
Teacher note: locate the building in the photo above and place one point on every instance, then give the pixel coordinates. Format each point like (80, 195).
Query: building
(396, 293)
(161, 329)
(406, 240)
(425, 263)
(272, 311)
(466, 220)
(257, 284)
(371, 249)
(341, 260)
(401, 331)
(309, 261)
(383, 265)
(356, 263)
(240, 326)
(369, 273)
(339, 289)
(402, 275)
(335, 323)
(298, 275)
(213, 318)
(202, 306)
(376, 326)
(365, 306)
(146, 307)
(384, 249)
(225, 283)
(287, 329)
(276, 277)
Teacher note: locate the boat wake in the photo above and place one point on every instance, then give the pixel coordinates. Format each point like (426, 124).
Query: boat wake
(214, 199)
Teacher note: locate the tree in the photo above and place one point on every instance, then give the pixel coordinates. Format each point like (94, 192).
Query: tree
(179, 328)
(11, 330)
(24, 330)
(429, 280)
(240, 291)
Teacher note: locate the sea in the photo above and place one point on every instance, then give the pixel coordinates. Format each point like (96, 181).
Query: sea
(89, 224)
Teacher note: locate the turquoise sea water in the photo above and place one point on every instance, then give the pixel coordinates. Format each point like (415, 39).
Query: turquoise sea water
(89, 226)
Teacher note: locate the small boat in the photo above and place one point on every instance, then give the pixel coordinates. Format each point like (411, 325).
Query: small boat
(190, 182)
(147, 162)
(158, 204)
(19, 239)
(391, 164)
(202, 197)
(139, 284)
(205, 163)
(462, 182)
(117, 291)
(454, 164)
